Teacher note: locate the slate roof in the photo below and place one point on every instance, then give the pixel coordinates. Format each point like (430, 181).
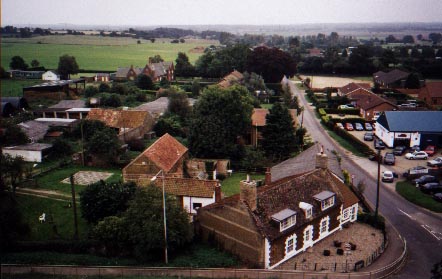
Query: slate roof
(165, 152)
(123, 71)
(30, 147)
(35, 130)
(188, 187)
(156, 107)
(119, 118)
(160, 69)
(68, 104)
(412, 121)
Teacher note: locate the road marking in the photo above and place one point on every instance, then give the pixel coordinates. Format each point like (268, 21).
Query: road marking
(406, 214)
(437, 235)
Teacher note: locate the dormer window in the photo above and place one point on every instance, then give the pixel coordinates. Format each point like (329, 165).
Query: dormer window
(326, 198)
(286, 219)
(308, 209)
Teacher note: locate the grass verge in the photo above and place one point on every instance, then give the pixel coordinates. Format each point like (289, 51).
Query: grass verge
(230, 185)
(414, 195)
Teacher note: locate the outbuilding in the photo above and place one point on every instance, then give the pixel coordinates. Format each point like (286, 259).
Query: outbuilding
(32, 152)
(410, 128)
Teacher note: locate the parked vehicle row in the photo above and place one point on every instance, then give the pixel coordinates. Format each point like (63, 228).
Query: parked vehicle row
(357, 126)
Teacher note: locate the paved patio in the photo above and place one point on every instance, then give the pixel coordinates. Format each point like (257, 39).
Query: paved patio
(88, 177)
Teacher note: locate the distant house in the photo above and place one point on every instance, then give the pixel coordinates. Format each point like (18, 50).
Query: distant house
(314, 52)
(19, 74)
(410, 128)
(32, 152)
(102, 77)
(266, 225)
(431, 94)
(124, 74)
(156, 71)
(50, 75)
(370, 104)
(231, 79)
(393, 79)
(354, 88)
(259, 121)
(131, 124)
(166, 154)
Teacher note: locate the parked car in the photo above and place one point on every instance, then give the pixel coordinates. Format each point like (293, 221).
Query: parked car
(387, 176)
(436, 162)
(399, 150)
(430, 150)
(349, 126)
(359, 127)
(431, 188)
(340, 126)
(415, 148)
(424, 179)
(389, 158)
(416, 170)
(417, 155)
(379, 144)
(348, 106)
(437, 197)
(368, 126)
(368, 136)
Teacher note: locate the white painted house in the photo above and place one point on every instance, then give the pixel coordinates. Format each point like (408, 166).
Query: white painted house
(32, 152)
(50, 75)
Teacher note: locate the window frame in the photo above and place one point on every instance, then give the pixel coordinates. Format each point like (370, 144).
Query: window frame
(287, 223)
(327, 203)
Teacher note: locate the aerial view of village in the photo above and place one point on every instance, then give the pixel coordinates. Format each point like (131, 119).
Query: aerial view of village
(221, 139)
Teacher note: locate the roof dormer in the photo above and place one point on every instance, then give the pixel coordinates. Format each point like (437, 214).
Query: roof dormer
(308, 209)
(286, 219)
(326, 198)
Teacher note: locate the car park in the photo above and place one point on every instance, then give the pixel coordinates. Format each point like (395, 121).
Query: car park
(349, 126)
(389, 158)
(424, 179)
(430, 150)
(368, 136)
(437, 197)
(378, 144)
(359, 127)
(417, 155)
(340, 126)
(387, 176)
(399, 150)
(416, 170)
(436, 162)
(431, 188)
(368, 126)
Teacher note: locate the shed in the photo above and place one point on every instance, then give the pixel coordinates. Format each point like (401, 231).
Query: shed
(32, 152)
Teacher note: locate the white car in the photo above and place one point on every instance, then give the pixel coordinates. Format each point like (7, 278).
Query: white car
(436, 162)
(387, 176)
(417, 155)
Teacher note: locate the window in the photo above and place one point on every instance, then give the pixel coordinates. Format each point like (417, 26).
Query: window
(287, 223)
(308, 236)
(308, 213)
(289, 247)
(327, 203)
(196, 205)
(324, 225)
(346, 214)
(308, 209)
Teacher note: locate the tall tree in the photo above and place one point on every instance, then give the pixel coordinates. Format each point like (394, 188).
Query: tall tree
(144, 82)
(18, 63)
(183, 68)
(156, 59)
(104, 143)
(220, 116)
(67, 65)
(278, 133)
(271, 63)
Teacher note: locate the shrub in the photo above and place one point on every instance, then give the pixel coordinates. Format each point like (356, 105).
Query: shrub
(90, 91)
(103, 87)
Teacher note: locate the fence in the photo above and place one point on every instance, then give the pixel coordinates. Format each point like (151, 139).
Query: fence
(121, 271)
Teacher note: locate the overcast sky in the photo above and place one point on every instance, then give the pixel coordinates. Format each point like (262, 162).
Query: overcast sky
(206, 12)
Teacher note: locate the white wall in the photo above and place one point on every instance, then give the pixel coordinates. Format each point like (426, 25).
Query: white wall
(384, 135)
(189, 201)
(28, 156)
(50, 76)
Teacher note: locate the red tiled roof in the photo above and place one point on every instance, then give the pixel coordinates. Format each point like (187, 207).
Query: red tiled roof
(119, 118)
(231, 79)
(434, 89)
(259, 116)
(346, 89)
(368, 100)
(165, 152)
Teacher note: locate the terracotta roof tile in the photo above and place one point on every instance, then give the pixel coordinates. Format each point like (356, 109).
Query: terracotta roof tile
(188, 187)
(259, 116)
(119, 118)
(346, 89)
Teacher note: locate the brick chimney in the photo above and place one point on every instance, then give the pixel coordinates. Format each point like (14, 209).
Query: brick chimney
(248, 193)
(218, 195)
(268, 178)
(321, 159)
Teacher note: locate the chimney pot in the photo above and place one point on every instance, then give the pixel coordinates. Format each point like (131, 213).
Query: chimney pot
(268, 178)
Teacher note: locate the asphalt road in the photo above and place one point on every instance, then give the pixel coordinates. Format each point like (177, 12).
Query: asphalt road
(421, 229)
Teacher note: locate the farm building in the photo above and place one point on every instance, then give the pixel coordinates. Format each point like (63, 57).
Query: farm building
(50, 75)
(55, 90)
(156, 71)
(19, 74)
(32, 152)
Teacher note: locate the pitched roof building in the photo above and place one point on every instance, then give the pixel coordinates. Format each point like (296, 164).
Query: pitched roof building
(353, 87)
(233, 78)
(431, 94)
(393, 79)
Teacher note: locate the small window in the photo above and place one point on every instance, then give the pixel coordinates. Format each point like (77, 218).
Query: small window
(288, 222)
(324, 225)
(308, 213)
(327, 203)
(289, 246)
(196, 205)
(346, 214)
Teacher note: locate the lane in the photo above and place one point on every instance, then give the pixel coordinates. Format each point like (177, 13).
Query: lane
(421, 229)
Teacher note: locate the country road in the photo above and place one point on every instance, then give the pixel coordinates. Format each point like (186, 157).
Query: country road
(422, 229)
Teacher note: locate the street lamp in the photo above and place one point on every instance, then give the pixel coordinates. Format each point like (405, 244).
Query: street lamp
(377, 186)
(164, 214)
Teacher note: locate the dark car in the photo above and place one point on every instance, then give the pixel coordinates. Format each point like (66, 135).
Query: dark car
(389, 158)
(379, 144)
(431, 188)
(399, 150)
(368, 136)
(424, 179)
(415, 148)
(437, 197)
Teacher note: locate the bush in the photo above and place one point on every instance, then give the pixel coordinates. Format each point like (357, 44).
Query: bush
(370, 219)
(137, 145)
(90, 91)
(104, 87)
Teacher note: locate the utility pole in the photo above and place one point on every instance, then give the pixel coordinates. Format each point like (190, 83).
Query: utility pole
(377, 186)
(74, 206)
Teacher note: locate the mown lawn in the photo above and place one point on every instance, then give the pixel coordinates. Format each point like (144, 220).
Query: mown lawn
(230, 185)
(94, 54)
(414, 195)
(59, 218)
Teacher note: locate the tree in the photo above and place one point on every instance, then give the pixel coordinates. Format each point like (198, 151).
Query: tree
(171, 124)
(3, 73)
(183, 68)
(144, 82)
(90, 91)
(179, 104)
(103, 87)
(12, 134)
(156, 59)
(61, 148)
(17, 63)
(388, 57)
(196, 88)
(390, 39)
(436, 271)
(12, 170)
(413, 81)
(435, 37)
(104, 143)
(67, 65)
(35, 63)
(220, 116)
(278, 133)
(103, 199)
(408, 39)
(271, 63)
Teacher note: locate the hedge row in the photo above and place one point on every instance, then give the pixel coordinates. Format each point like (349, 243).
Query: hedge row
(342, 111)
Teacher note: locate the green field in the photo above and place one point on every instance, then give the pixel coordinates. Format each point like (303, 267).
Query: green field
(14, 88)
(95, 53)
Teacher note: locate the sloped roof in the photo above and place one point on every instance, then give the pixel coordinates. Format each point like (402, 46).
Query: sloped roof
(368, 100)
(231, 79)
(68, 104)
(390, 77)
(411, 121)
(346, 89)
(165, 152)
(119, 118)
(433, 89)
(30, 147)
(188, 187)
(123, 71)
(259, 116)
(35, 130)
(156, 107)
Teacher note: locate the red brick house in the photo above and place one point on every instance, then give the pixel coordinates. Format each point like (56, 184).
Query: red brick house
(393, 79)
(354, 88)
(431, 94)
(159, 71)
(269, 224)
(370, 104)
(259, 121)
(166, 154)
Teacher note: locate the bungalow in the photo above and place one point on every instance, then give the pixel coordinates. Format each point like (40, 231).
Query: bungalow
(431, 94)
(354, 88)
(393, 79)
(266, 225)
(31, 152)
(410, 128)
(50, 75)
(102, 77)
(370, 104)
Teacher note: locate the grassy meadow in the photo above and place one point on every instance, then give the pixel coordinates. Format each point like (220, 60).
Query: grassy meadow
(94, 52)
(14, 88)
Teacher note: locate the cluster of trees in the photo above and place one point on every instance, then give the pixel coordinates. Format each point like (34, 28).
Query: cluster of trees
(18, 63)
